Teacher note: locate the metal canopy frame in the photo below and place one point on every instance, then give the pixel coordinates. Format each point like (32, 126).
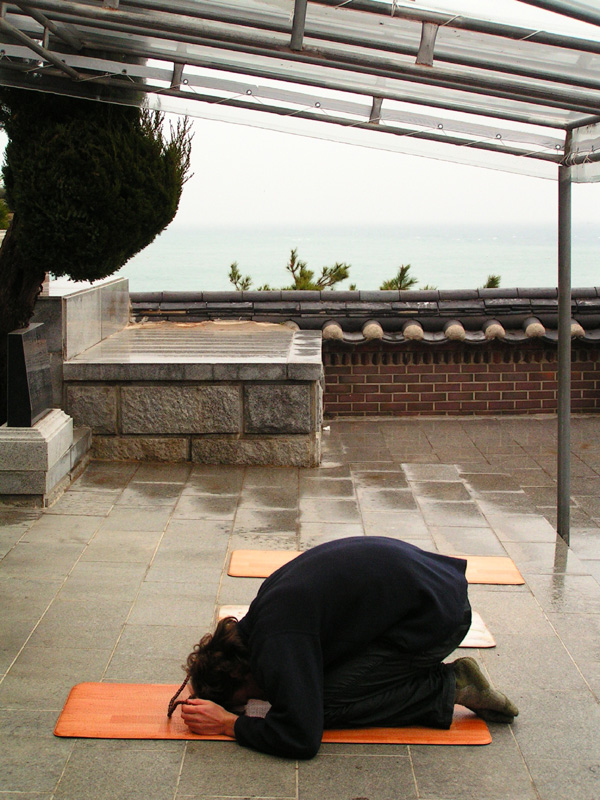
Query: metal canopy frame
(371, 72)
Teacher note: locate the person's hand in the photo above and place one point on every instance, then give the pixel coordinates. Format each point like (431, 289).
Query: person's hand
(207, 718)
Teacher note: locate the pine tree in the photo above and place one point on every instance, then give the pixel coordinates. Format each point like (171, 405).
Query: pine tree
(90, 184)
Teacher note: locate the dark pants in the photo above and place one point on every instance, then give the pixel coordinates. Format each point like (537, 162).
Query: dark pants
(385, 686)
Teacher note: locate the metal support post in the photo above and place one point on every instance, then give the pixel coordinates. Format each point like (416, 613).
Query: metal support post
(298, 24)
(564, 353)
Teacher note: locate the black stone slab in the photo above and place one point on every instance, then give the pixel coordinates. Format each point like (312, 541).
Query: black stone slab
(29, 382)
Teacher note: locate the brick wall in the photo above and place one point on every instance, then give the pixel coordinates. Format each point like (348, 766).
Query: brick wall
(382, 379)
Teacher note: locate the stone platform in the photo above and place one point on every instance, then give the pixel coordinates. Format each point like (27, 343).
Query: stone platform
(218, 393)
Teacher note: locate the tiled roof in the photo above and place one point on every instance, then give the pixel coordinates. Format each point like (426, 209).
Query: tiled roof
(432, 316)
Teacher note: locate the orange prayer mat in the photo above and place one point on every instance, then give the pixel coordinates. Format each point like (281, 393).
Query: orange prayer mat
(139, 711)
(480, 569)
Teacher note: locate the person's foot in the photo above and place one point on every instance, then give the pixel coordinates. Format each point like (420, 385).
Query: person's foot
(474, 691)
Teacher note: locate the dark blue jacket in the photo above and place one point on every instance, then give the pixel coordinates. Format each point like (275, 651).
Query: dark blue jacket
(325, 606)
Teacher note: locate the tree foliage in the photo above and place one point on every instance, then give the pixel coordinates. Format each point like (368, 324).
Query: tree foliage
(493, 282)
(402, 280)
(90, 184)
(303, 277)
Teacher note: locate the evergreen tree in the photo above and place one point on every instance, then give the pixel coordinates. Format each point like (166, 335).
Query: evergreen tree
(90, 184)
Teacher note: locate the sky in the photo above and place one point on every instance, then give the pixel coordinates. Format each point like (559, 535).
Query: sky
(250, 176)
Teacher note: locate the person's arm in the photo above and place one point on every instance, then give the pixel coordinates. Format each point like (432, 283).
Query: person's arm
(288, 667)
(207, 718)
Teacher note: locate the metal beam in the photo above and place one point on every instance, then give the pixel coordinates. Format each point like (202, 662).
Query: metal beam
(563, 488)
(47, 55)
(375, 115)
(427, 46)
(164, 24)
(57, 30)
(568, 8)
(125, 22)
(401, 94)
(298, 24)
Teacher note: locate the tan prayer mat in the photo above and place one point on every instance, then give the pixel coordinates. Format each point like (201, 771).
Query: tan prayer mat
(480, 569)
(479, 635)
(139, 711)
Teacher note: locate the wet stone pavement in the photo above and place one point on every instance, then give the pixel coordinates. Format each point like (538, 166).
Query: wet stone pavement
(122, 575)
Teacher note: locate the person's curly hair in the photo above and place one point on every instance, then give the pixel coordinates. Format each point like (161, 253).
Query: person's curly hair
(219, 664)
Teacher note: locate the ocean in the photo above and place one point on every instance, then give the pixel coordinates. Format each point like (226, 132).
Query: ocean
(445, 257)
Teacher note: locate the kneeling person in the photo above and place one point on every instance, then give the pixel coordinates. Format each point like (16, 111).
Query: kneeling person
(349, 633)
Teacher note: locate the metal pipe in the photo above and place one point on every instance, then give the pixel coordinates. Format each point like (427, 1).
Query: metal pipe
(582, 102)
(568, 8)
(61, 33)
(298, 24)
(212, 10)
(47, 55)
(339, 85)
(563, 488)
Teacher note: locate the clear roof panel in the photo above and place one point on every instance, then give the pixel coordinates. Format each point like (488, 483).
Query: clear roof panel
(427, 76)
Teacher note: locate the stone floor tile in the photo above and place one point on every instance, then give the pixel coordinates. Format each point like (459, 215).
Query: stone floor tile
(334, 510)
(41, 560)
(375, 466)
(386, 500)
(510, 527)
(152, 653)
(380, 480)
(145, 494)
(554, 724)
(490, 482)
(92, 623)
(570, 594)
(264, 541)
(431, 472)
(545, 558)
(543, 495)
(325, 472)
(143, 518)
(455, 541)
(206, 532)
(532, 477)
(249, 521)
(261, 497)
(98, 581)
(17, 758)
(215, 482)
(238, 591)
(585, 540)
(509, 502)
(225, 769)
(451, 514)
(493, 772)
(593, 566)
(271, 477)
(349, 776)
(315, 533)
(561, 778)
(62, 528)
(96, 772)
(84, 504)
(136, 546)
(182, 566)
(163, 473)
(104, 476)
(440, 490)
(176, 604)
(326, 487)
(206, 506)
(406, 525)
(42, 677)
